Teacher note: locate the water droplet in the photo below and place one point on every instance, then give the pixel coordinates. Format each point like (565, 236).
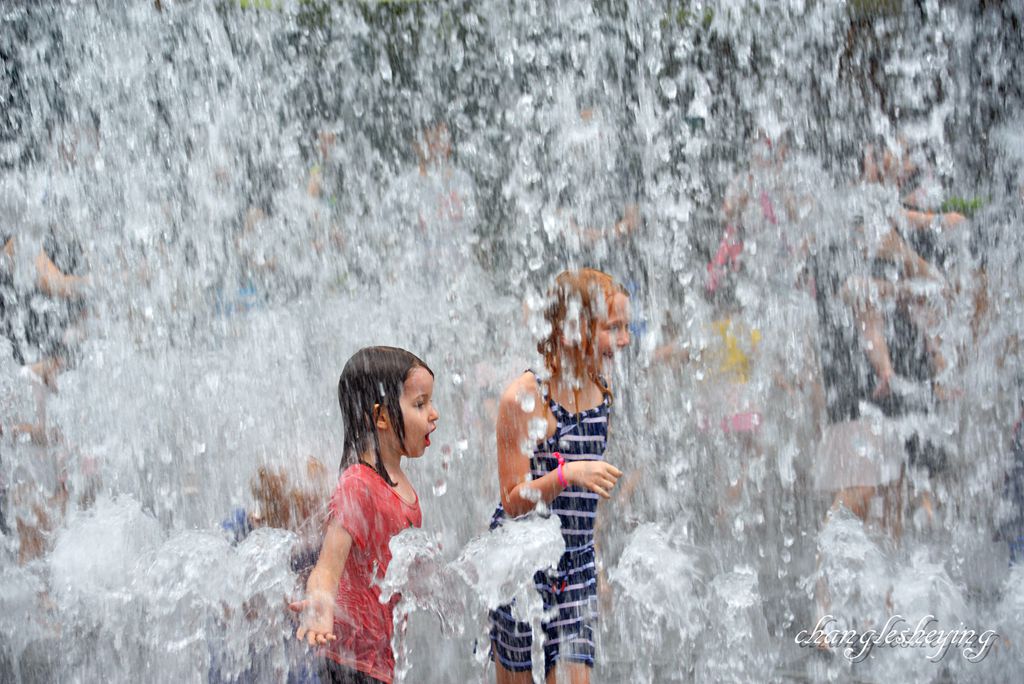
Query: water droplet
(538, 427)
(528, 402)
(530, 494)
(669, 87)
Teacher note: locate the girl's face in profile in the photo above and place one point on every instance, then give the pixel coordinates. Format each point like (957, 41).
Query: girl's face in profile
(418, 411)
(613, 332)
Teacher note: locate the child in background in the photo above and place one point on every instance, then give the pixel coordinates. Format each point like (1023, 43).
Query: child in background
(284, 504)
(589, 317)
(905, 261)
(386, 403)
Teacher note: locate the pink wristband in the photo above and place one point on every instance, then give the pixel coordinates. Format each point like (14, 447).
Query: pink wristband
(561, 476)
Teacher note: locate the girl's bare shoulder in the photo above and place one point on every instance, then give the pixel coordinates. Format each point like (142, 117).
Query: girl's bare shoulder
(520, 392)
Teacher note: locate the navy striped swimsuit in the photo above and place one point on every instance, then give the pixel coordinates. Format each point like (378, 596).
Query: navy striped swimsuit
(571, 588)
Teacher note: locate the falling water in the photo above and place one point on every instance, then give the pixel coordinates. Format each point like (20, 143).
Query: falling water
(239, 184)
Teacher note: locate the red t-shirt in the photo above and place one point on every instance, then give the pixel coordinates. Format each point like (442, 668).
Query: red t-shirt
(371, 512)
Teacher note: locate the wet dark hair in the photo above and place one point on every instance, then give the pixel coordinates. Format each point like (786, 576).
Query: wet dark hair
(374, 376)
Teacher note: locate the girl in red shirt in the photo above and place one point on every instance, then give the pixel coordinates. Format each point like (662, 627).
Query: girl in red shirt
(386, 403)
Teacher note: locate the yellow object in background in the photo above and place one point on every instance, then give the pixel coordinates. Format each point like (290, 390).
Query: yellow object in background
(729, 355)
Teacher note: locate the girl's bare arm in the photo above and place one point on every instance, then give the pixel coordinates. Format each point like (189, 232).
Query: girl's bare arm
(317, 626)
(922, 220)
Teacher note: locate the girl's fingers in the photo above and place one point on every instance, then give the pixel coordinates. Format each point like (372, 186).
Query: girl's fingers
(598, 490)
(314, 638)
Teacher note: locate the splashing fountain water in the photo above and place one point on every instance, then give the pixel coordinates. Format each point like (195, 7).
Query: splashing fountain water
(246, 192)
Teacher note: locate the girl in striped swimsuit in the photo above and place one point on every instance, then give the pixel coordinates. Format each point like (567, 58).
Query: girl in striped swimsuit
(564, 468)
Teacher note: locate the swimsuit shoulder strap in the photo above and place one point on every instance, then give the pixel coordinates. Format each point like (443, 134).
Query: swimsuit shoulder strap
(541, 387)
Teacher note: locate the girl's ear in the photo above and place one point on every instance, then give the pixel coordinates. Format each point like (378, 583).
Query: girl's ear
(380, 417)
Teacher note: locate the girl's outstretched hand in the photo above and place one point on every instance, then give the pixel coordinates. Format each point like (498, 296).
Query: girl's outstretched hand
(316, 625)
(597, 476)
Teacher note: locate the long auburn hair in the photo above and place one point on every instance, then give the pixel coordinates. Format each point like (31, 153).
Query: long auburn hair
(577, 303)
(374, 376)
(287, 502)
